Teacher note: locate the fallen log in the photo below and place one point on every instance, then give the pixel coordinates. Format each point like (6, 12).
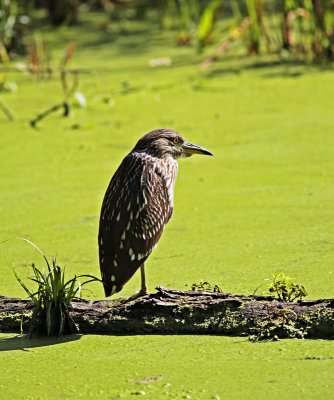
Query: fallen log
(189, 312)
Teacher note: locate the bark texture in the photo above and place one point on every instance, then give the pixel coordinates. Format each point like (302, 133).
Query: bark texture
(184, 312)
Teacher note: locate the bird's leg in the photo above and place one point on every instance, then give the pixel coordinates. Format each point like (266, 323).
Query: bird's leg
(143, 290)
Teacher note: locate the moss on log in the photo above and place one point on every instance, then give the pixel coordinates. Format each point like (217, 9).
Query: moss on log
(184, 312)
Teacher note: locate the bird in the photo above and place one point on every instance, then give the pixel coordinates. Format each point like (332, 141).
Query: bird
(138, 204)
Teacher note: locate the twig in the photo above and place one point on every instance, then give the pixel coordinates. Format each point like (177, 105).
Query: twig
(68, 92)
(44, 114)
(7, 111)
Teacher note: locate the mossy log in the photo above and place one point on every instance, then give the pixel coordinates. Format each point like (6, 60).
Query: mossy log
(185, 312)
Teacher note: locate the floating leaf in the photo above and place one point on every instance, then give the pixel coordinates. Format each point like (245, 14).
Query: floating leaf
(79, 100)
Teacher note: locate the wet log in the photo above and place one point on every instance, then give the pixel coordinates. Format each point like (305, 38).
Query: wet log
(189, 312)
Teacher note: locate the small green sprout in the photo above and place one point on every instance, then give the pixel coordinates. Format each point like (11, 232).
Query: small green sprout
(286, 290)
(205, 286)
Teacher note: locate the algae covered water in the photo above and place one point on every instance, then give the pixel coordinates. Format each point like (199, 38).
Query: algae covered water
(263, 204)
(164, 367)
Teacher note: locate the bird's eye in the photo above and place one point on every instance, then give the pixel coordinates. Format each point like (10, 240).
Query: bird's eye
(176, 140)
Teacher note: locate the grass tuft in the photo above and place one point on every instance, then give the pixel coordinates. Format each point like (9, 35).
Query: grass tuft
(53, 298)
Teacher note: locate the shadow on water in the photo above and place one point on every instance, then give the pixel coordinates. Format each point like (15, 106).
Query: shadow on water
(267, 68)
(24, 343)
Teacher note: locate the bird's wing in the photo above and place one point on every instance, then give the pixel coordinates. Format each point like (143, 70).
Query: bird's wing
(135, 210)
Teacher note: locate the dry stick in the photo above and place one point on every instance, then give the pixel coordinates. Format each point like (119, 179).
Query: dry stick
(42, 115)
(7, 111)
(66, 91)
(63, 77)
(65, 104)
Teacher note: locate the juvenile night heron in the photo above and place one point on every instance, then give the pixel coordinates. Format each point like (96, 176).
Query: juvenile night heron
(138, 204)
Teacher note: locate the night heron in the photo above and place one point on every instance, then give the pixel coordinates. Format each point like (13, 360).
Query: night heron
(138, 204)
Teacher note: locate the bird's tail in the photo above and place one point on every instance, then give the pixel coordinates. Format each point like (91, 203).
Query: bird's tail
(107, 290)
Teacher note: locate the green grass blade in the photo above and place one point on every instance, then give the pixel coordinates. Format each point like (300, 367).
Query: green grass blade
(28, 291)
(36, 247)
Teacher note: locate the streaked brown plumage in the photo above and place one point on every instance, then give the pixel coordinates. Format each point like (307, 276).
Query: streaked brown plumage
(138, 204)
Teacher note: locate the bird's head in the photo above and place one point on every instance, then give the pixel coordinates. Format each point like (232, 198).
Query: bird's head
(166, 142)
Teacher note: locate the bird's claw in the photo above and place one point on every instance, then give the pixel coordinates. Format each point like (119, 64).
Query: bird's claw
(143, 292)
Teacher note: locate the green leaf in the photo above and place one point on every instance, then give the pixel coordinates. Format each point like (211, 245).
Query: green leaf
(207, 21)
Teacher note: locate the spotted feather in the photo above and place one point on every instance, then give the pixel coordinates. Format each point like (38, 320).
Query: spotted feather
(136, 207)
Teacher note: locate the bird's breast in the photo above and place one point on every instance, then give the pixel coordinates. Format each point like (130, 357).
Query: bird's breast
(167, 169)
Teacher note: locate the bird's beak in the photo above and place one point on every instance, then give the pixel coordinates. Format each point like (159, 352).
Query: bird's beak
(189, 149)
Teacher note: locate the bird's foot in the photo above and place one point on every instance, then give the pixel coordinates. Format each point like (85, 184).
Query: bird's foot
(142, 292)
